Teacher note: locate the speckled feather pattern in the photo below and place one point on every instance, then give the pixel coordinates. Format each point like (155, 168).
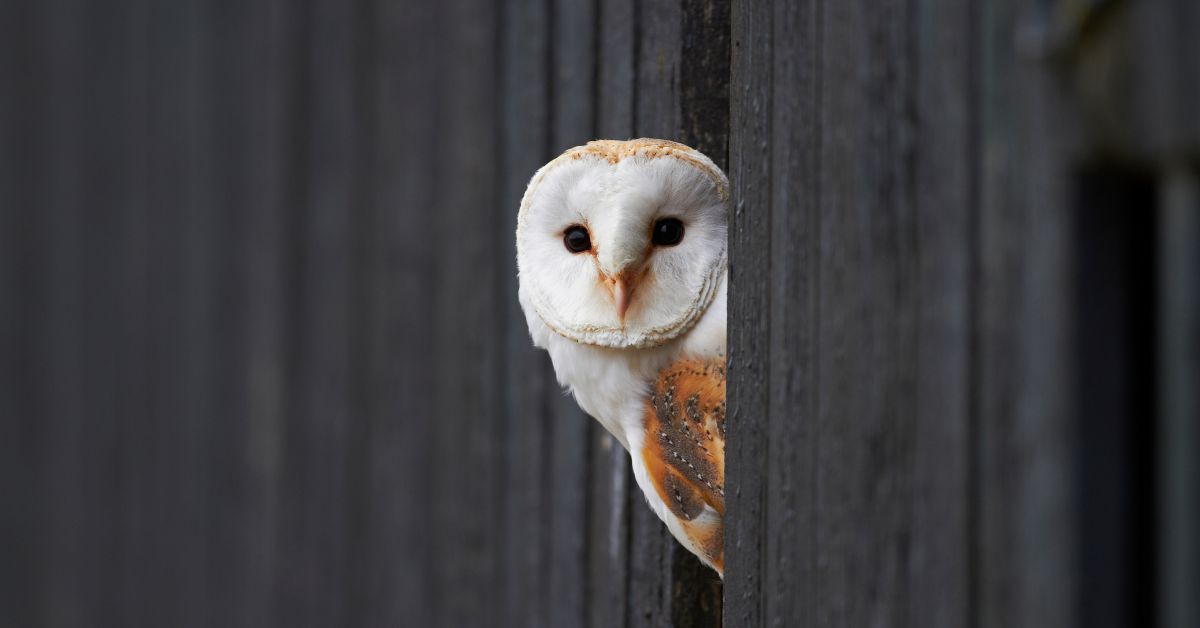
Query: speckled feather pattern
(684, 450)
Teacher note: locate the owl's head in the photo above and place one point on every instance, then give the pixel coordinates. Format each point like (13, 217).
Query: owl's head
(623, 244)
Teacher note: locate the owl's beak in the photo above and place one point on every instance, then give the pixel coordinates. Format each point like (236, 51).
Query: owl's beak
(621, 293)
(621, 285)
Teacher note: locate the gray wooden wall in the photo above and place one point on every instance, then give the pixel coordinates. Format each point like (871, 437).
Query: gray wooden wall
(964, 383)
(262, 361)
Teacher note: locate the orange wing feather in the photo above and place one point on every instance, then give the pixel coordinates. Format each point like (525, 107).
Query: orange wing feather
(684, 448)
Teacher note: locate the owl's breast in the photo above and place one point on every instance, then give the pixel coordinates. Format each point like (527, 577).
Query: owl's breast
(613, 385)
(610, 385)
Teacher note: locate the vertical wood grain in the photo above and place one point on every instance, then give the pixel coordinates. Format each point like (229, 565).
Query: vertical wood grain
(789, 580)
(181, 378)
(260, 65)
(1179, 431)
(20, 118)
(402, 471)
(246, 203)
(944, 47)
(469, 500)
(528, 380)
(853, 231)
(312, 588)
(263, 362)
(749, 304)
(1024, 440)
(864, 417)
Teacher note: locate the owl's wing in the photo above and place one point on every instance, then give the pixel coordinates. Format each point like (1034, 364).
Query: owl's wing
(684, 450)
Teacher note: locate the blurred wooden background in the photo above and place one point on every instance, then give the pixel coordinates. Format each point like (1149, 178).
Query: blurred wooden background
(966, 358)
(262, 360)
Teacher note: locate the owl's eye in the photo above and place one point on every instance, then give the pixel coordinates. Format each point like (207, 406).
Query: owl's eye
(576, 239)
(667, 232)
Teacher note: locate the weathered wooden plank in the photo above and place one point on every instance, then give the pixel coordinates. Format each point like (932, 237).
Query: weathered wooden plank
(403, 461)
(20, 129)
(528, 379)
(945, 161)
(867, 312)
(791, 526)
(167, 125)
(193, 363)
(111, 221)
(650, 551)
(1024, 439)
(749, 305)
(1157, 87)
(132, 496)
(256, 72)
(704, 77)
(75, 379)
(245, 207)
(608, 530)
(42, 120)
(574, 37)
(470, 336)
(657, 109)
(1179, 400)
(861, 459)
(194, 415)
(317, 433)
(616, 65)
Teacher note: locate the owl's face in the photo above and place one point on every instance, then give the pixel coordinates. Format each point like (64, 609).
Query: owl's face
(622, 244)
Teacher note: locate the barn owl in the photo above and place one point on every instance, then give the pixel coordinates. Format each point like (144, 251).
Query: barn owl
(621, 259)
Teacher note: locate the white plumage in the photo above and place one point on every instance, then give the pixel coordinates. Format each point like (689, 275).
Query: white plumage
(635, 324)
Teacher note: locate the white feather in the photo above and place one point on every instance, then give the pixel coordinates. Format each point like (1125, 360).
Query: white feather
(619, 203)
(607, 363)
(612, 384)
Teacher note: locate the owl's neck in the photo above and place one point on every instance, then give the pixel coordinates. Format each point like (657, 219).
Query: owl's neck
(612, 385)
